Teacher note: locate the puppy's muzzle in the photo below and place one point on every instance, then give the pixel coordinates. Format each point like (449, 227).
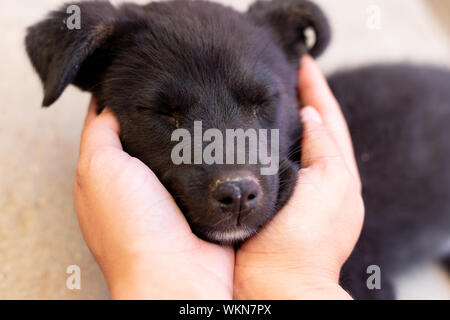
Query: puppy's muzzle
(237, 196)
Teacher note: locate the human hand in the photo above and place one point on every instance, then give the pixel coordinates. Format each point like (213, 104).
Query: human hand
(134, 228)
(300, 253)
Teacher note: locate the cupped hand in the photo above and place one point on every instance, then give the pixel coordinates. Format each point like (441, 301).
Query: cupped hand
(134, 229)
(299, 254)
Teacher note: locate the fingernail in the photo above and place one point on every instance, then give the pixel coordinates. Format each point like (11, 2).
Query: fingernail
(311, 114)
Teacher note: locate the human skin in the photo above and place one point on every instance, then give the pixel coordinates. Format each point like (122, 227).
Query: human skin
(146, 249)
(300, 253)
(140, 239)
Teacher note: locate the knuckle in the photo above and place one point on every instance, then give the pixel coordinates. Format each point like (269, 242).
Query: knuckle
(90, 164)
(311, 176)
(333, 168)
(360, 204)
(348, 182)
(358, 184)
(326, 166)
(80, 174)
(97, 160)
(78, 183)
(336, 173)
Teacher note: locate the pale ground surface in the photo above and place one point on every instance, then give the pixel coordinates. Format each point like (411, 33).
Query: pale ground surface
(39, 234)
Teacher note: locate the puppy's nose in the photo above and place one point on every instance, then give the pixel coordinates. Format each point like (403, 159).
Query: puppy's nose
(238, 195)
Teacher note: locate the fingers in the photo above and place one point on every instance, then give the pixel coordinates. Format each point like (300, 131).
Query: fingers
(317, 145)
(99, 130)
(315, 91)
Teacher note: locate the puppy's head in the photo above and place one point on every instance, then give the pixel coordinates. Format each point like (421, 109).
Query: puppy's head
(187, 80)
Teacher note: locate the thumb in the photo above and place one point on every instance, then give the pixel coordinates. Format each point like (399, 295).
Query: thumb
(317, 144)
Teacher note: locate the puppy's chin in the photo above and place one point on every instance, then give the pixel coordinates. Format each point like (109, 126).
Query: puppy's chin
(234, 230)
(234, 235)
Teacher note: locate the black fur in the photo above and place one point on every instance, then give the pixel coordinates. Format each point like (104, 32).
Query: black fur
(165, 65)
(399, 120)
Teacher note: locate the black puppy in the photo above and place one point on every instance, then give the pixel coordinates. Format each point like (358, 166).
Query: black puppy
(163, 66)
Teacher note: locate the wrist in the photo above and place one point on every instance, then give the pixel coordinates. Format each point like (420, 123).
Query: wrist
(288, 285)
(160, 280)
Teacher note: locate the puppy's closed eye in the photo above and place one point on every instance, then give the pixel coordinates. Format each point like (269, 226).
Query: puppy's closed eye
(141, 108)
(165, 115)
(257, 96)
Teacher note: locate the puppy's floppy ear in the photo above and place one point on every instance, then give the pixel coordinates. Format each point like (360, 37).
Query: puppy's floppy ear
(58, 53)
(289, 19)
